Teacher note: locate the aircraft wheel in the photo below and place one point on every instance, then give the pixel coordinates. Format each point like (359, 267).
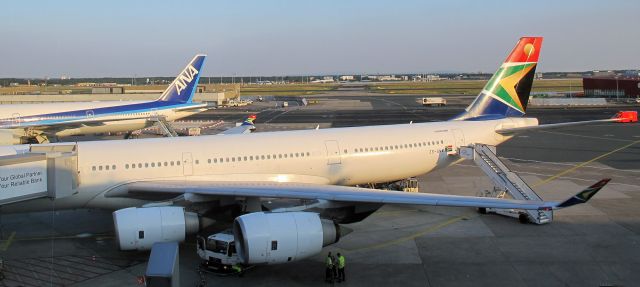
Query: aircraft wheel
(523, 218)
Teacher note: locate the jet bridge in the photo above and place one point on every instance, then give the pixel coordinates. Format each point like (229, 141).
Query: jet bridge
(506, 182)
(29, 172)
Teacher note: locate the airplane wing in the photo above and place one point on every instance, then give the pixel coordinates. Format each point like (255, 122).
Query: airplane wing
(246, 127)
(200, 191)
(620, 117)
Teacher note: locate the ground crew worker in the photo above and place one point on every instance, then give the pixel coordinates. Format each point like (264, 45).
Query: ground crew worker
(238, 268)
(328, 277)
(341, 277)
(340, 263)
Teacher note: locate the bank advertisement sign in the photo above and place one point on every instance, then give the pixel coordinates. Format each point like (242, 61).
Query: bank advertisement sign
(22, 179)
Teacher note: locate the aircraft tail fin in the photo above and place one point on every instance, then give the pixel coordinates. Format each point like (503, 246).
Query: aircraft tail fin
(183, 87)
(507, 92)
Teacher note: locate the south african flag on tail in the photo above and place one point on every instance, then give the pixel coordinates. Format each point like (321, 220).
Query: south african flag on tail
(507, 92)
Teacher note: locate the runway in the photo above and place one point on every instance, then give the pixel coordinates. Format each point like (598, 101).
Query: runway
(590, 245)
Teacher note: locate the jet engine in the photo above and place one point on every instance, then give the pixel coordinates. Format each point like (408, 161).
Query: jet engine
(140, 228)
(271, 238)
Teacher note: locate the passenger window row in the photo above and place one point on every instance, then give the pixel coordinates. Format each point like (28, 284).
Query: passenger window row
(258, 157)
(397, 147)
(136, 165)
(103, 167)
(264, 157)
(152, 164)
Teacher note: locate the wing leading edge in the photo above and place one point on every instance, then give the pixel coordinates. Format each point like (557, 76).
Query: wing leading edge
(339, 193)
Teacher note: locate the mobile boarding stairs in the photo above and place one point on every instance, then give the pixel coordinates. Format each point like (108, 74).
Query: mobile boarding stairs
(506, 182)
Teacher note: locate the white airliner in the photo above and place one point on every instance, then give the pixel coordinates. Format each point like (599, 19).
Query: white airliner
(27, 122)
(161, 187)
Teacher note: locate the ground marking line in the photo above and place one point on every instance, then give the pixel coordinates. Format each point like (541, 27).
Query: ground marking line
(564, 177)
(583, 164)
(412, 236)
(583, 136)
(8, 242)
(12, 239)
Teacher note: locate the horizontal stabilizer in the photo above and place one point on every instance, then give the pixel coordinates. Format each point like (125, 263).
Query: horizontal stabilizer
(553, 126)
(620, 117)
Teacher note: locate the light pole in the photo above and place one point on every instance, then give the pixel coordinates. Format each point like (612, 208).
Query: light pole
(617, 98)
(570, 88)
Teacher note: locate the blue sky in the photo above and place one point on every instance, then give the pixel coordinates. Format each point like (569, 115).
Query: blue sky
(157, 38)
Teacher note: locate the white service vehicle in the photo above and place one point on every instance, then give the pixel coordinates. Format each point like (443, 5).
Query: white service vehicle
(268, 238)
(434, 101)
(218, 250)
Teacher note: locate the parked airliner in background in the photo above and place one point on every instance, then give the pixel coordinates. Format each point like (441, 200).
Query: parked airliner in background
(23, 123)
(163, 188)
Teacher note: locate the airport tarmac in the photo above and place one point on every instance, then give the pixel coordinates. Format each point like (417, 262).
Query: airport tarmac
(594, 244)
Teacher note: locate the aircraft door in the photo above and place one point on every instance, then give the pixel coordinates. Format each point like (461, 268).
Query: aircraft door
(333, 152)
(458, 138)
(90, 114)
(187, 163)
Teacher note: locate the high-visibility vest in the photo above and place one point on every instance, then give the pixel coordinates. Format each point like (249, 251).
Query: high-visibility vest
(341, 262)
(237, 268)
(329, 263)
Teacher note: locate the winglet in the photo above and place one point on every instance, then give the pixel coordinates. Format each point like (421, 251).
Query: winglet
(184, 85)
(249, 120)
(584, 195)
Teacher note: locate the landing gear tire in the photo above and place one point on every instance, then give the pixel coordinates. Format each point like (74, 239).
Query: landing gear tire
(524, 218)
(482, 210)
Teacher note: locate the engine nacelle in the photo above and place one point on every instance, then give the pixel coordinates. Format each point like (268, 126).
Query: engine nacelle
(271, 238)
(140, 228)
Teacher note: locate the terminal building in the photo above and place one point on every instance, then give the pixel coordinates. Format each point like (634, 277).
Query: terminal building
(611, 87)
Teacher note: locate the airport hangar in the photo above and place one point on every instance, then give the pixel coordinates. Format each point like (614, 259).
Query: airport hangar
(612, 87)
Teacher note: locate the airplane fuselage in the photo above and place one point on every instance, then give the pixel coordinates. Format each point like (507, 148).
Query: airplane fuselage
(114, 116)
(339, 156)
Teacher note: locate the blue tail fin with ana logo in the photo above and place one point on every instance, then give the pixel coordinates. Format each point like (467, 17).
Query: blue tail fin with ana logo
(184, 85)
